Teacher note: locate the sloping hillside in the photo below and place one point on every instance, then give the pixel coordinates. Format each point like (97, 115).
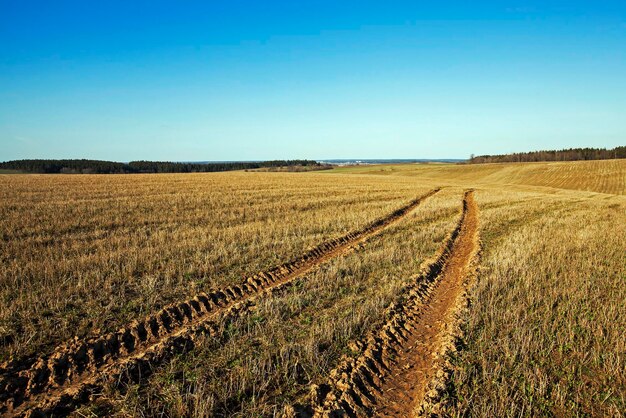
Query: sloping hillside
(607, 176)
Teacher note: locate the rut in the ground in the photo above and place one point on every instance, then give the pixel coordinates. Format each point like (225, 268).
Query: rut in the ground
(393, 367)
(75, 371)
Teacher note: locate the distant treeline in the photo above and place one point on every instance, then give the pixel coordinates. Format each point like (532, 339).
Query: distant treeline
(572, 154)
(110, 167)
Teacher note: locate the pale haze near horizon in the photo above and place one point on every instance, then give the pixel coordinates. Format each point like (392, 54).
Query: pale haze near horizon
(317, 80)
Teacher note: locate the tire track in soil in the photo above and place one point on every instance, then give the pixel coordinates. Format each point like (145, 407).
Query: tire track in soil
(76, 371)
(396, 368)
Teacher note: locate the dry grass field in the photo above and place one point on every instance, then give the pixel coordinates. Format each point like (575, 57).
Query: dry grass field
(504, 301)
(85, 254)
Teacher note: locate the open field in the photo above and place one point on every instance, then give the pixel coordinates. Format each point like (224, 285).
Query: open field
(358, 290)
(127, 245)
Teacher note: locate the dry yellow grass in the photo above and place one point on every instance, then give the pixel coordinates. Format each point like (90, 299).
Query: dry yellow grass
(543, 336)
(606, 176)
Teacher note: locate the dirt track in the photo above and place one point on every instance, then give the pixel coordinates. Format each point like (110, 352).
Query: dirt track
(395, 366)
(76, 371)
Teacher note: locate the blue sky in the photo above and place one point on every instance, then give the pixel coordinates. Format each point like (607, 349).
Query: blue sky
(243, 80)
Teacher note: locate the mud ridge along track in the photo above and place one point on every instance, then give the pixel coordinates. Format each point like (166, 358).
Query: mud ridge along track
(76, 371)
(395, 364)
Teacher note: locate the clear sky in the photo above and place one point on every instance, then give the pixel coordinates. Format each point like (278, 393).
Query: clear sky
(249, 80)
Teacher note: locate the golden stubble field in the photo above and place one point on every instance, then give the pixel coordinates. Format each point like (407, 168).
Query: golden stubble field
(535, 326)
